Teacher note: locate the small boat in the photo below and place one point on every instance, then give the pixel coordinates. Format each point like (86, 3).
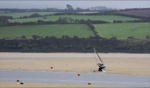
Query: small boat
(100, 63)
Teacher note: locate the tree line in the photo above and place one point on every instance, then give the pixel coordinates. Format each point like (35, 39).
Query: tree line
(75, 44)
(61, 20)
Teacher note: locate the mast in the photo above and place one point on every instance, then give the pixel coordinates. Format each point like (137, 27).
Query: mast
(98, 56)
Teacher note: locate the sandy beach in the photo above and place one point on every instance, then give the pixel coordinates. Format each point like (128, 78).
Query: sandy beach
(128, 64)
(117, 63)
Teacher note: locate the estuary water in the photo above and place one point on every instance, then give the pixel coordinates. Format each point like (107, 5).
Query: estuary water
(101, 79)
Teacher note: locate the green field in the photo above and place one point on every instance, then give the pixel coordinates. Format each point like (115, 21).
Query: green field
(124, 30)
(21, 14)
(108, 18)
(57, 30)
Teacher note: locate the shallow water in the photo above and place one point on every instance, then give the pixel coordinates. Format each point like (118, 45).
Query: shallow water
(101, 79)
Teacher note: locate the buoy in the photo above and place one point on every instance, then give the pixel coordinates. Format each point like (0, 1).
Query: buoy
(78, 74)
(51, 67)
(21, 83)
(89, 83)
(17, 80)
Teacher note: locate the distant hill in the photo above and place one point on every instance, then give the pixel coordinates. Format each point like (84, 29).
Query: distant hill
(100, 8)
(136, 12)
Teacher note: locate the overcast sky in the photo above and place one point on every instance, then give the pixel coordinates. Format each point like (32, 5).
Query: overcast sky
(117, 4)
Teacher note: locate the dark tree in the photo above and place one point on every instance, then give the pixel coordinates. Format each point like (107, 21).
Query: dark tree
(69, 7)
(35, 15)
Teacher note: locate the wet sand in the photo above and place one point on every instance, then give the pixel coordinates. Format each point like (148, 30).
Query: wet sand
(41, 85)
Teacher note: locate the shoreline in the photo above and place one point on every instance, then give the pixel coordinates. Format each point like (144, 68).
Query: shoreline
(94, 79)
(127, 64)
(25, 85)
(77, 63)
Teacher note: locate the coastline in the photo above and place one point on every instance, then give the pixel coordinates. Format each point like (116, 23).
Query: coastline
(117, 63)
(127, 64)
(26, 85)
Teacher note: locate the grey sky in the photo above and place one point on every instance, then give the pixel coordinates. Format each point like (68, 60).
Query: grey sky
(82, 4)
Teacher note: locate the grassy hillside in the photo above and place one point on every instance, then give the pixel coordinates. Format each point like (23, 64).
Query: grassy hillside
(124, 30)
(71, 30)
(109, 18)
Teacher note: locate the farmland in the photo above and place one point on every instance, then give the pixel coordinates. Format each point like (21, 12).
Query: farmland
(108, 18)
(72, 31)
(124, 30)
(57, 30)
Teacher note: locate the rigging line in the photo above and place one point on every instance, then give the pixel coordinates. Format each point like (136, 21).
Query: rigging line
(98, 56)
(96, 59)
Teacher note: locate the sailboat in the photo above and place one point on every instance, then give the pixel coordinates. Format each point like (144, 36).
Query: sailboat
(100, 63)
